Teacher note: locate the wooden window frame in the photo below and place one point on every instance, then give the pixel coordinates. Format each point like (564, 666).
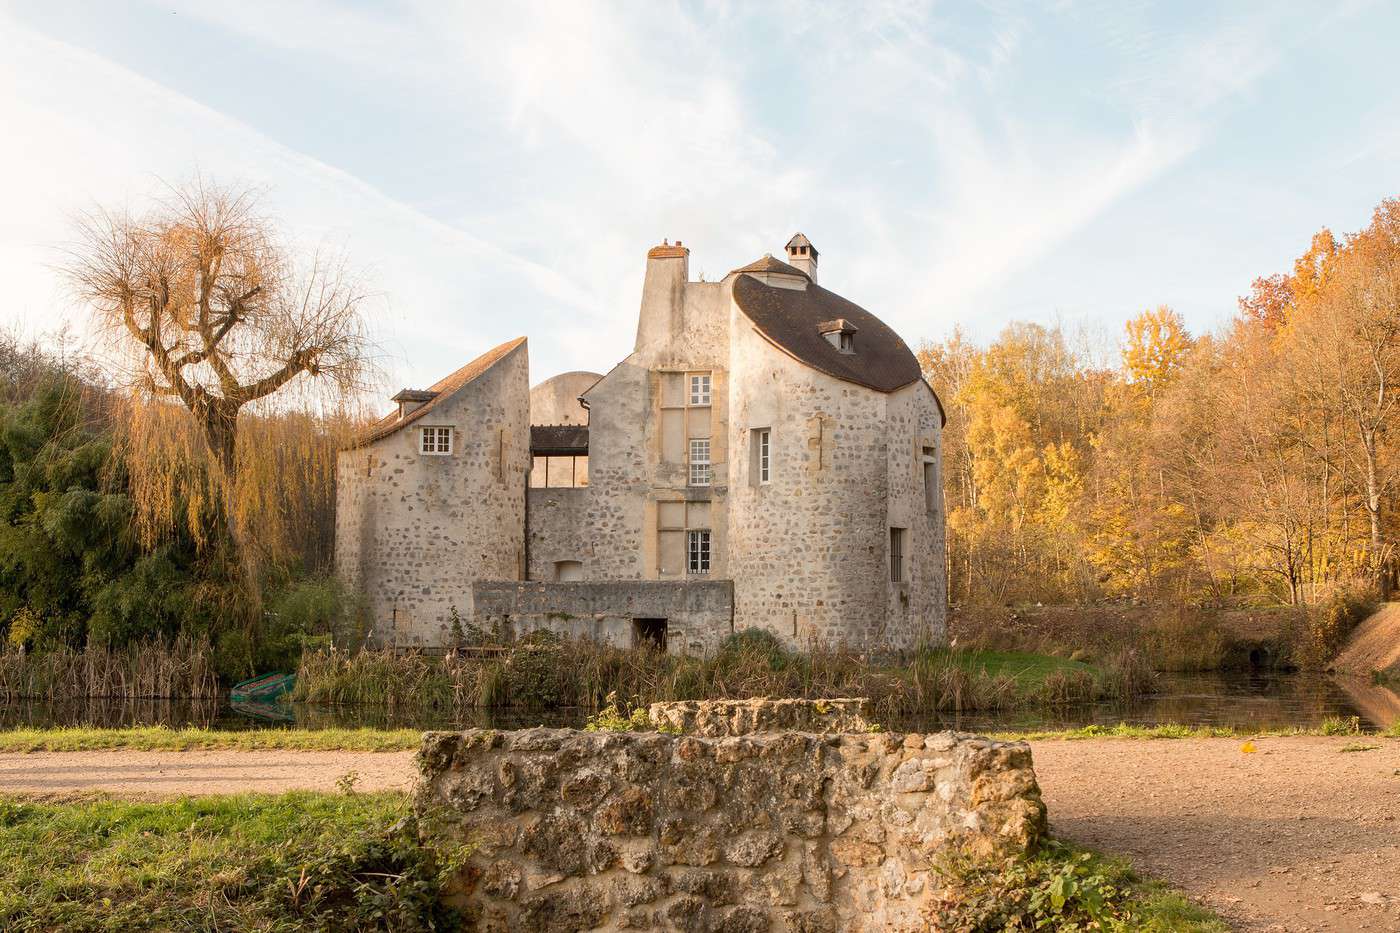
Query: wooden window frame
(437, 447)
(698, 551)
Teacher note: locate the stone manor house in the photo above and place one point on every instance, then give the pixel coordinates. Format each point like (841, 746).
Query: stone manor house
(767, 456)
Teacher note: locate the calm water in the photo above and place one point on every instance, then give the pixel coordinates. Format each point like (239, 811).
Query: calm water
(1243, 700)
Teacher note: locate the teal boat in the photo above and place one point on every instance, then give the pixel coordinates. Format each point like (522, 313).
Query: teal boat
(267, 688)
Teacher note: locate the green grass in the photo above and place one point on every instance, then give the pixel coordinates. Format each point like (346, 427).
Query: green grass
(304, 861)
(1063, 887)
(1170, 731)
(249, 862)
(1027, 669)
(161, 738)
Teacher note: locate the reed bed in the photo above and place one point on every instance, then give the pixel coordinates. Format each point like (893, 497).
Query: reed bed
(181, 668)
(543, 673)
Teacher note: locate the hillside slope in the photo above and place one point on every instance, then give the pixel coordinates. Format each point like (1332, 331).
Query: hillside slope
(1374, 646)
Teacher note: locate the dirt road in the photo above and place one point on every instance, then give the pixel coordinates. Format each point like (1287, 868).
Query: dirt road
(170, 774)
(1298, 836)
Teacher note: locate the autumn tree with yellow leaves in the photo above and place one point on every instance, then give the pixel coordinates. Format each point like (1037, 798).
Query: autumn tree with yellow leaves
(1258, 464)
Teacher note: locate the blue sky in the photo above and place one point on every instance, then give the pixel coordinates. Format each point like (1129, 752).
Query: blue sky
(500, 169)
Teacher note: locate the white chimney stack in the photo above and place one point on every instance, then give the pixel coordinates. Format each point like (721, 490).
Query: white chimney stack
(803, 255)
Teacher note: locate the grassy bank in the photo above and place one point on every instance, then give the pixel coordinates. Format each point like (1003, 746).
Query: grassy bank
(544, 672)
(157, 738)
(352, 862)
(290, 862)
(160, 738)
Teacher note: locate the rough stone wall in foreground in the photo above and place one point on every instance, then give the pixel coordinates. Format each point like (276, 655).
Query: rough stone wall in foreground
(780, 831)
(717, 718)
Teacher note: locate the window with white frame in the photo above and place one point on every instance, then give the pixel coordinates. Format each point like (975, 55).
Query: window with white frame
(697, 548)
(761, 456)
(699, 461)
(700, 389)
(435, 440)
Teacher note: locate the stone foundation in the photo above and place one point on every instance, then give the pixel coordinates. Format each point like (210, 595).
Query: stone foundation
(777, 831)
(697, 615)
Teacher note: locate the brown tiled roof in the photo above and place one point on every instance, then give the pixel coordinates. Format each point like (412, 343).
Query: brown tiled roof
(792, 319)
(442, 390)
(559, 440)
(668, 251)
(769, 264)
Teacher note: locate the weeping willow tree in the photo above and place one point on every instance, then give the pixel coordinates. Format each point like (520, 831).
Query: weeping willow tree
(242, 363)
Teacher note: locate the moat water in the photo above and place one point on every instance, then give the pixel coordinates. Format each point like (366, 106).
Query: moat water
(1243, 700)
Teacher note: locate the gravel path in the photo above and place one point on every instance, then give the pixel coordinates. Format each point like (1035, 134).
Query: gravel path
(1297, 836)
(168, 774)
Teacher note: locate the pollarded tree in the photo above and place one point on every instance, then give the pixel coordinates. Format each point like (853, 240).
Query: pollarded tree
(207, 311)
(212, 310)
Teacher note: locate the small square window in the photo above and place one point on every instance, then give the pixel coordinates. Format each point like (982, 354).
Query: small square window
(700, 461)
(435, 440)
(697, 548)
(700, 389)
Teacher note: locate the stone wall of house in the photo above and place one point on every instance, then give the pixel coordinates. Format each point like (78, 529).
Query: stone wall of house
(811, 542)
(413, 531)
(916, 610)
(683, 326)
(779, 831)
(557, 529)
(699, 614)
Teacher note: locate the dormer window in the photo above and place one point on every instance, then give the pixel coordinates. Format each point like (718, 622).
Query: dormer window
(411, 400)
(435, 441)
(840, 333)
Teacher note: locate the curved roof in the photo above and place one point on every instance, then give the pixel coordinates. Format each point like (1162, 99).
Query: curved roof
(555, 400)
(792, 318)
(769, 264)
(441, 390)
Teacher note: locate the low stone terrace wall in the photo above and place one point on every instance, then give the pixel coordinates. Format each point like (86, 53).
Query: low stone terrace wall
(718, 718)
(738, 834)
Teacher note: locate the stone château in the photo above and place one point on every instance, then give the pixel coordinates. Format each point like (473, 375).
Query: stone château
(768, 456)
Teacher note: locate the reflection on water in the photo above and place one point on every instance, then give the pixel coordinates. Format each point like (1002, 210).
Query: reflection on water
(1243, 700)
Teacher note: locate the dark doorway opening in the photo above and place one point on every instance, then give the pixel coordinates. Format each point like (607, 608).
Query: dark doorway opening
(649, 633)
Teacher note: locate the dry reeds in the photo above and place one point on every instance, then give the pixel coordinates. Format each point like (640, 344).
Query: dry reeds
(548, 673)
(182, 668)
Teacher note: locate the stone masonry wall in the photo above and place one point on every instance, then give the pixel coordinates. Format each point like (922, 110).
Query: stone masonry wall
(717, 718)
(413, 531)
(809, 547)
(699, 614)
(556, 527)
(780, 831)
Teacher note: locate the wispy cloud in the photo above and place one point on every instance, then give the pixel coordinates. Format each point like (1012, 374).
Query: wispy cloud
(935, 153)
